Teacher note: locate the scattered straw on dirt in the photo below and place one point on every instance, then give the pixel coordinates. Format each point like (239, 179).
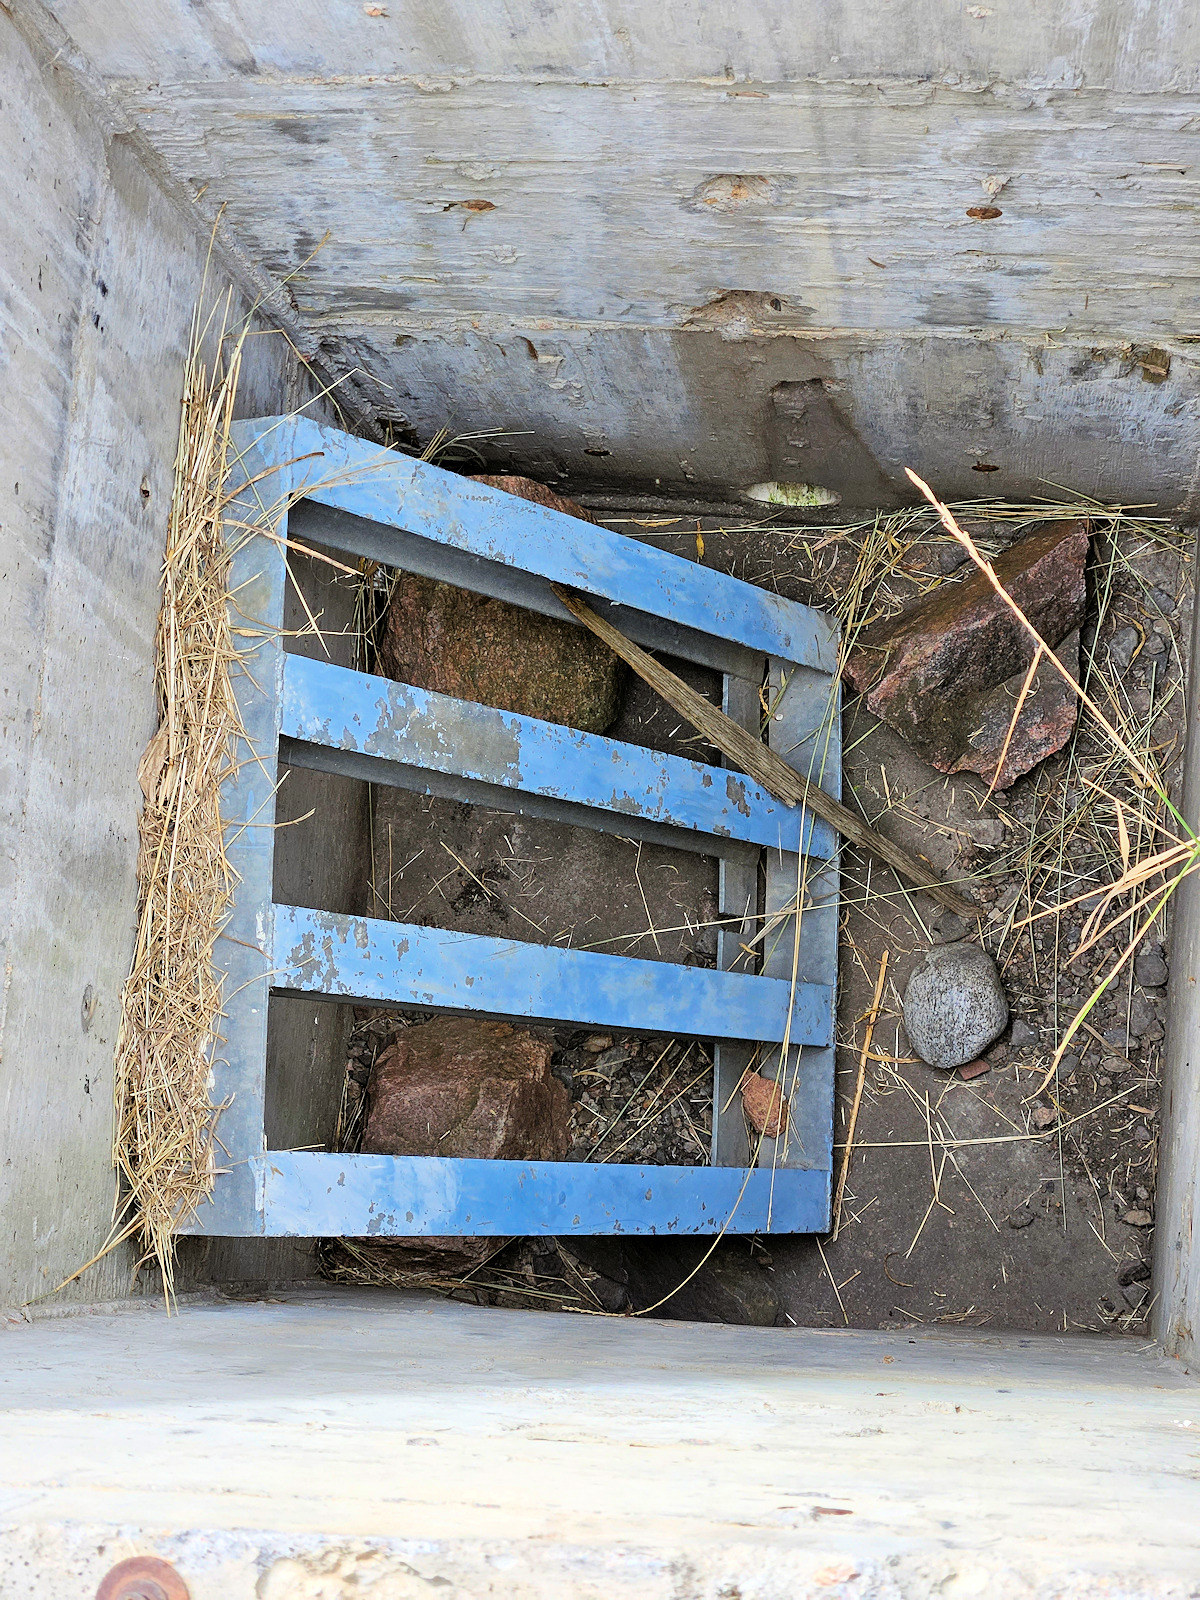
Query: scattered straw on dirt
(1075, 865)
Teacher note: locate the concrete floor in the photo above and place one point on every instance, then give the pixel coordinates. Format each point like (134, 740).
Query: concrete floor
(381, 1446)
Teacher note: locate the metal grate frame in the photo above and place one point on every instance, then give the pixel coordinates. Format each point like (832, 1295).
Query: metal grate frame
(349, 495)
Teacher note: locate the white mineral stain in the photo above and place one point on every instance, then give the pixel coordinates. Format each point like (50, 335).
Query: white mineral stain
(792, 494)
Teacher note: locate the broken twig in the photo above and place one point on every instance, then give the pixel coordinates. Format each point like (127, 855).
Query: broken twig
(761, 763)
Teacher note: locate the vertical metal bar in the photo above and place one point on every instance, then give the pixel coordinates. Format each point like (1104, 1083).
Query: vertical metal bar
(806, 730)
(737, 897)
(243, 953)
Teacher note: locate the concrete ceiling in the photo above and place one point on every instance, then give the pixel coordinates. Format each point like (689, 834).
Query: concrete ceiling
(609, 232)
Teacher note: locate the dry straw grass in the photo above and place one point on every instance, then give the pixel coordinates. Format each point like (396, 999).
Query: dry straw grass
(1126, 779)
(1107, 844)
(165, 1140)
(165, 1122)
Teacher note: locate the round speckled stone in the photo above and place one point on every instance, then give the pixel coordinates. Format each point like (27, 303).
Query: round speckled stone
(954, 1006)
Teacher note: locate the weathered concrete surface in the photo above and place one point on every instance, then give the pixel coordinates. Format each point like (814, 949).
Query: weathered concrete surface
(536, 218)
(1100, 45)
(683, 409)
(590, 193)
(99, 278)
(1176, 1283)
(355, 1444)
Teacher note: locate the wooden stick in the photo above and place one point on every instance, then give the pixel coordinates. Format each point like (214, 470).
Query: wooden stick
(761, 763)
(872, 1018)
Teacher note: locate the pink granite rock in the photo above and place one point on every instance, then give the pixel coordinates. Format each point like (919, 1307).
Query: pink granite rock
(470, 1088)
(947, 673)
(440, 637)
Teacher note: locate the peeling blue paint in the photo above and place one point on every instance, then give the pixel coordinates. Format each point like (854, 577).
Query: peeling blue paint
(367, 959)
(398, 491)
(332, 706)
(324, 708)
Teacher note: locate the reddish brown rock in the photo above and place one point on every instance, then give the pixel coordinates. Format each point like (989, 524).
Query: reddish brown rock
(1044, 726)
(468, 1088)
(764, 1105)
(446, 639)
(408, 1262)
(530, 489)
(948, 672)
(974, 1069)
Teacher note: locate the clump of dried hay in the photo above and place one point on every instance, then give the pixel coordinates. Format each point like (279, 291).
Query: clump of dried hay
(165, 1122)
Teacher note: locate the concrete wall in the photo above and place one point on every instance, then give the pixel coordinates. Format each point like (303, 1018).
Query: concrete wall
(608, 231)
(99, 273)
(1176, 1318)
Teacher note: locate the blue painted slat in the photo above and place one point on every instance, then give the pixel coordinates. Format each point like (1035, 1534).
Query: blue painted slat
(344, 710)
(307, 1194)
(387, 487)
(360, 958)
(806, 730)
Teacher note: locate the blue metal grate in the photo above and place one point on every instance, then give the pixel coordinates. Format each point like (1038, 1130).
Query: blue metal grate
(346, 494)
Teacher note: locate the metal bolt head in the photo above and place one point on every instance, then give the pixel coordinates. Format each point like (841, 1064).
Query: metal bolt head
(142, 1578)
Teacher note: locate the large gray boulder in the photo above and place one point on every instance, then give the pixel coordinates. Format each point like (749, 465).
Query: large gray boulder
(954, 1006)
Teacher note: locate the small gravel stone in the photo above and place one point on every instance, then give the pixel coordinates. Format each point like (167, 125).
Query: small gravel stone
(1043, 1116)
(1009, 898)
(1142, 1012)
(1150, 969)
(596, 1042)
(954, 1006)
(988, 832)
(1022, 1035)
(1121, 647)
(1133, 1272)
(608, 1060)
(1137, 1219)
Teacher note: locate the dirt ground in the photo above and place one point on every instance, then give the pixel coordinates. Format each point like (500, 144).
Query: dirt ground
(1015, 1200)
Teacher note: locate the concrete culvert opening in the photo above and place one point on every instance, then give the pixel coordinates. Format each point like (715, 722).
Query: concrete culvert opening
(889, 1168)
